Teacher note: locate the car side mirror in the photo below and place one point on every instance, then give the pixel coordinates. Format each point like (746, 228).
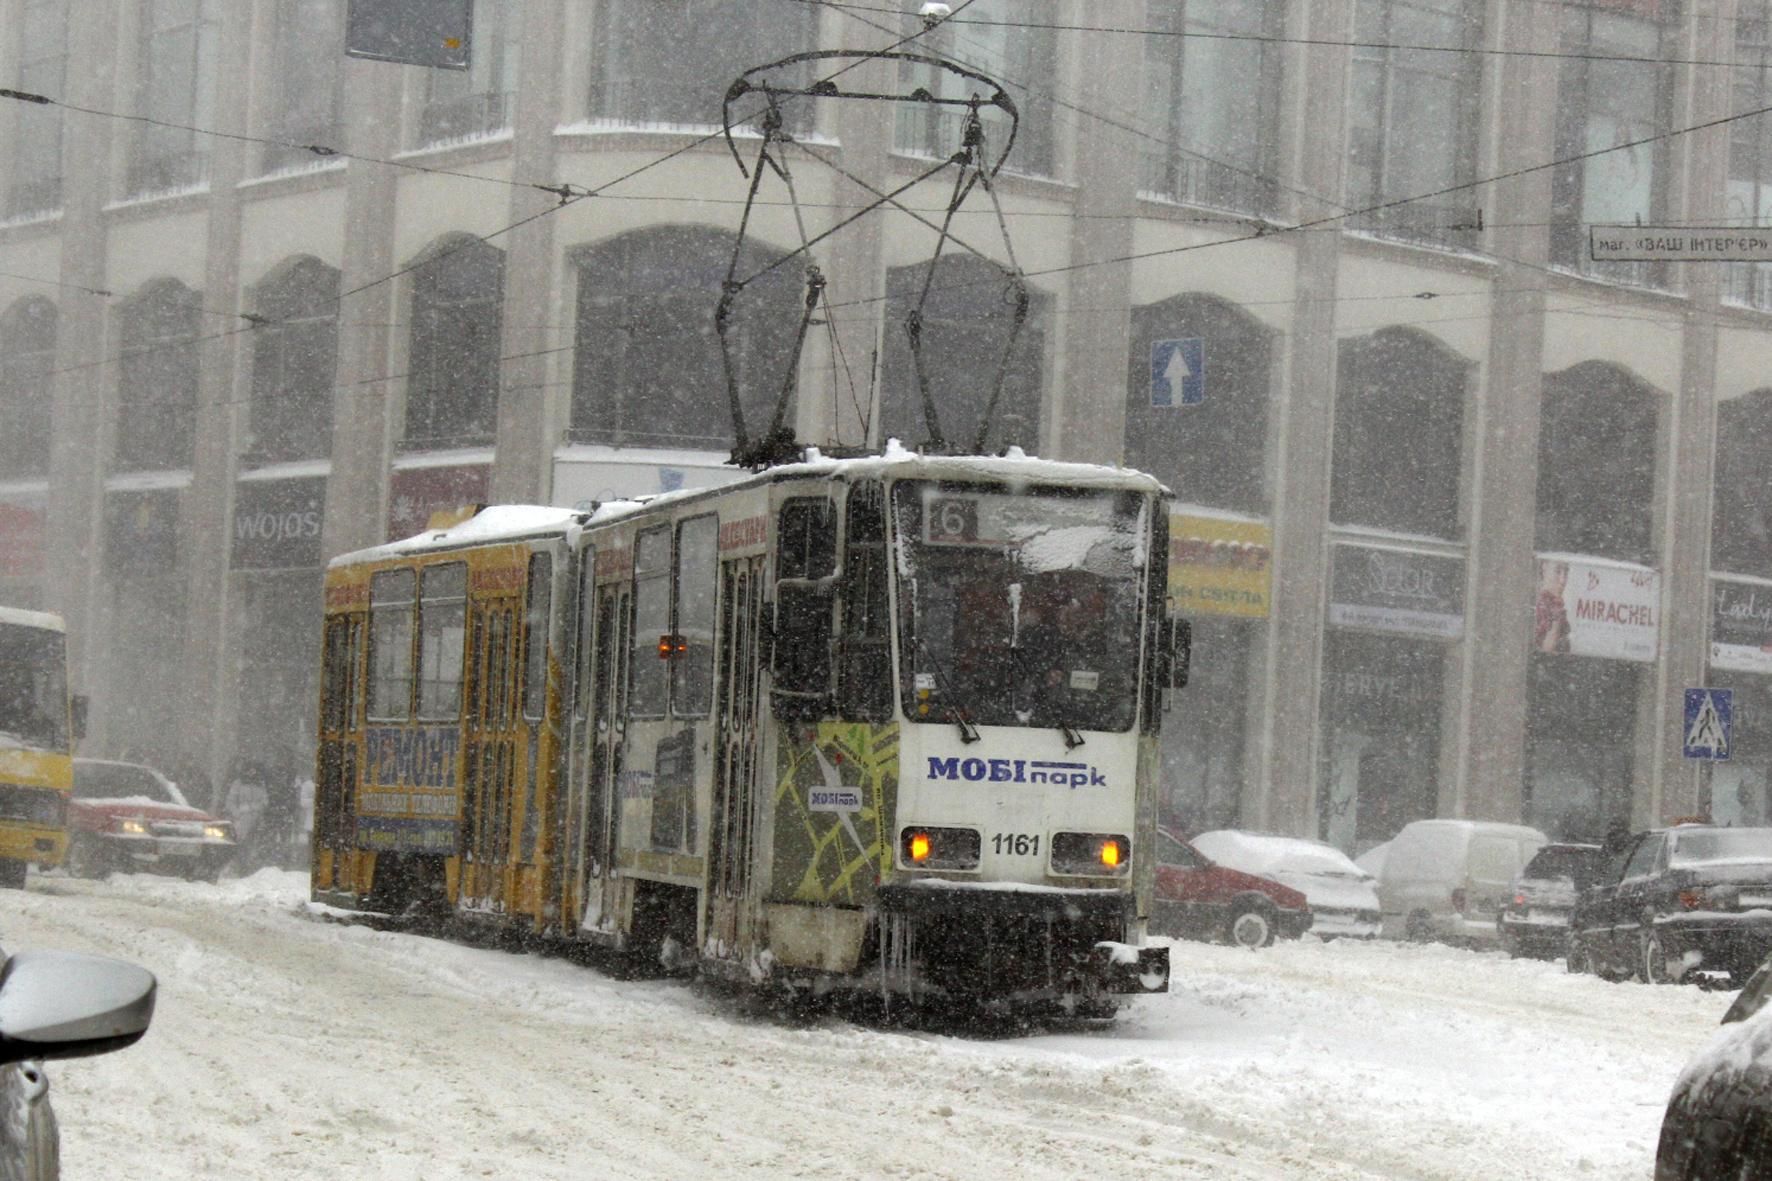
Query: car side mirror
(65, 1004)
(79, 707)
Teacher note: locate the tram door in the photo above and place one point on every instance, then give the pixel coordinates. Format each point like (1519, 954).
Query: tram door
(604, 737)
(573, 823)
(735, 769)
(491, 746)
(341, 740)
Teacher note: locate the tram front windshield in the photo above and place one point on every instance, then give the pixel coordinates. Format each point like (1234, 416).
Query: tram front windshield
(1020, 608)
(33, 689)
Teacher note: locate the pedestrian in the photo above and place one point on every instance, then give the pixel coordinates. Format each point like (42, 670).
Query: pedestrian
(245, 805)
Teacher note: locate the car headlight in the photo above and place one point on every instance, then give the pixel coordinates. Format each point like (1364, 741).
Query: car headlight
(133, 827)
(217, 832)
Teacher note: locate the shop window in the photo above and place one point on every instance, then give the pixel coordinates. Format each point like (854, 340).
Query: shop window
(27, 342)
(536, 608)
(1399, 425)
(1212, 453)
(649, 371)
(1610, 92)
(1580, 734)
(390, 645)
(1203, 736)
(174, 87)
(692, 664)
(1741, 788)
(35, 155)
(442, 639)
(477, 101)
(1741, 516)
(1412, 117)
(1012, 42)
(966, 325)
(157, 384)
(1381, 736)
(1596, 463)
(659, 62)
(648, 684)
(294, 354)
(276, 695)
(1212, 103)
(307, 49)
(1749, 191)
(457, 313)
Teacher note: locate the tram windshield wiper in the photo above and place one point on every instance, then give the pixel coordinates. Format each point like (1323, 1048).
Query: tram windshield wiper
(955, 712)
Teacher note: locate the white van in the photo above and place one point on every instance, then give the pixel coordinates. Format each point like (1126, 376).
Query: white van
(1448, 879)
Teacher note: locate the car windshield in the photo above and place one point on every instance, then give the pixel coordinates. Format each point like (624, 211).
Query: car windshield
(1021, 608)
(1705, 845)
(121, 781)
(33, 688)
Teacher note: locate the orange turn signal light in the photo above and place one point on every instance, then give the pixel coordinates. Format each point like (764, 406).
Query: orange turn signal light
(919, 846)
(1110, 853)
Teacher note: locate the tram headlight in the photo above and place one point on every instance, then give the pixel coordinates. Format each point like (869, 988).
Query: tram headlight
(940, 848)
(1091, 854)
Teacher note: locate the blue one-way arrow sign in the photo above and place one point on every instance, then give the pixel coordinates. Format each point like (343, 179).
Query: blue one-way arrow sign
(1178, 372)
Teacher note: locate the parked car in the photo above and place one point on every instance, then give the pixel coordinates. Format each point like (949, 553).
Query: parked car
(1343, 898)
(1691, 897)
(57, 1004)
(1535, 919)
(126, 816)
(1197, 898)
(1719, 1118)
(1447, 879)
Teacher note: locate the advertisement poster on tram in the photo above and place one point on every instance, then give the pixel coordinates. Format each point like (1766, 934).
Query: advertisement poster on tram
(1589, 608)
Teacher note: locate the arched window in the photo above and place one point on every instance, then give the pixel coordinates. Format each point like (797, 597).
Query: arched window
(1741, 521)
(157, 387)
(293, 357)
(1596, 462)
(966, 324)
(453, 369)
(1211, 453)
(1399, 426)
(649, 370)
(27, 342)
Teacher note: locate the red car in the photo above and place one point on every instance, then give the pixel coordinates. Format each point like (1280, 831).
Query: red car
(130, 818)
(1199, 899)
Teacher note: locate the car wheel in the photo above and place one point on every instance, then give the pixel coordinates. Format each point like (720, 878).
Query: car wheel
(1576, 958)
(1654, 965)
(1251, 927)
(1418, 929)
(84, 859)
(12, 874)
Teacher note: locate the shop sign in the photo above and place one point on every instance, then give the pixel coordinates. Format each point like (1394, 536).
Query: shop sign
(277, 524)
(1741, 626)
(421, 498)
(1597, 609)
(582, 483)
(21, 533)
(141, 530)
(1220, 567)
(1398, 591)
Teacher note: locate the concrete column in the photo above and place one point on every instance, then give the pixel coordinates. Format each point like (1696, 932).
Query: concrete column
(526, 430)
(1305, 409)
(356, 492)
(1504, 511)
(1674, 786)
(1088, 390)
(205, 514)
(87, 375)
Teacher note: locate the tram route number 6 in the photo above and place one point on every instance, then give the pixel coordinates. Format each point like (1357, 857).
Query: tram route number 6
(952, 521)
(1018, 844)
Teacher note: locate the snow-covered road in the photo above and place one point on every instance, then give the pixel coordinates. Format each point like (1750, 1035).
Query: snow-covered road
(284, 1046)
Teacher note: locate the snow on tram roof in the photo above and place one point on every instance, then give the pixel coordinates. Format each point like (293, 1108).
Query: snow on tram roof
(509, 522)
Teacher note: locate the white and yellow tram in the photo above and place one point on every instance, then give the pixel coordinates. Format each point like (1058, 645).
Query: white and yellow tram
(883, 723)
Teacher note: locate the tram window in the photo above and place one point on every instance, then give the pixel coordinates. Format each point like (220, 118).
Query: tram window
(587, 613)
(692, 666)
(390, 645)
(807, 541)
(535, 632)
(647, 673)
(333, 698)
(442, 634)
(865, 688)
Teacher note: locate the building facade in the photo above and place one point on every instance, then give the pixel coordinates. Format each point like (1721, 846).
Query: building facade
(1462, 511)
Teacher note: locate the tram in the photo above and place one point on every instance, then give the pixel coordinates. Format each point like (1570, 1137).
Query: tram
(883, 723)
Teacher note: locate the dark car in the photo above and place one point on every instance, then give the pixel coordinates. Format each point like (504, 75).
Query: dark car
(1719, 1117)
(129, 817)
(57, 1005)
(1197, 898)
(1677, 901)
(1534, 921)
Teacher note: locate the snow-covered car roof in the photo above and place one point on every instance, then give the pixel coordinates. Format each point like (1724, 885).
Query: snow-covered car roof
(1265, 853)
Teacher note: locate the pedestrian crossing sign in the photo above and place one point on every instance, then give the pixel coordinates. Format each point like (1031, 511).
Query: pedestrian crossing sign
(1710, 716)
